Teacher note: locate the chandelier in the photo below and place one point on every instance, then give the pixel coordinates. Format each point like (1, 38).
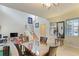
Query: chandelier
(49, 5)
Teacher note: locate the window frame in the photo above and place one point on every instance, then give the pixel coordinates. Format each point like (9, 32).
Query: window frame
(66, 30)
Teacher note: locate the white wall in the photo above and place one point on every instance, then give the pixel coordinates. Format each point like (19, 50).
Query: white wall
(12, 20)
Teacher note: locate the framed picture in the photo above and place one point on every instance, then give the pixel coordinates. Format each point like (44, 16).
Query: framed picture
(36, 25)
(30, 20)
(61, 29)
(53, 29)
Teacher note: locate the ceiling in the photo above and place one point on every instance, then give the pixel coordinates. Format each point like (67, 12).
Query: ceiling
(39, 10)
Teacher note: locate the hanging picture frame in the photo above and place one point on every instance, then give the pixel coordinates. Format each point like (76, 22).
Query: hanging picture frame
(36, 25)
(53, 29)
(61, 29)
(30, 20)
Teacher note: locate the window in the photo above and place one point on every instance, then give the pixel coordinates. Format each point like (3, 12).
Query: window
(72, 27)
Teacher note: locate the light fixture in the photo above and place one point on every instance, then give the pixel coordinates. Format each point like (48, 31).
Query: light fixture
(49, 5)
